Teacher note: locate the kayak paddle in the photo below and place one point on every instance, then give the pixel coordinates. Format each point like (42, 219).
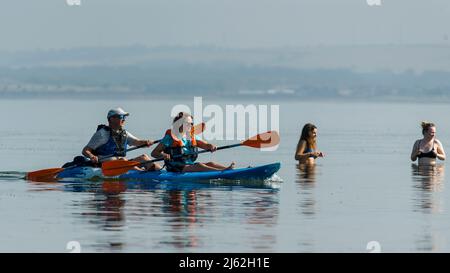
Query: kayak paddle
(44, 174)
(264, 140)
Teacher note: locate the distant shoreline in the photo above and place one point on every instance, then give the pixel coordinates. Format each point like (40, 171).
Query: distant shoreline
(395, 73)
(237, 99)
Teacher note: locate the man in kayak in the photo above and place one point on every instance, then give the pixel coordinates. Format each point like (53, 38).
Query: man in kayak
(179, 147)
(113, 139)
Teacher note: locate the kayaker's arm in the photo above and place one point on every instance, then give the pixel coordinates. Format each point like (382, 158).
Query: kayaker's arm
(134, 141)
(158, 152)
(89, 153)
(98, 139)
(143, 143)
(206, 146)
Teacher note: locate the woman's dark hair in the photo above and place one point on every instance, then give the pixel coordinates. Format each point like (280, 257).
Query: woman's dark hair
(180, 116)
(426, 126)
(309, 127)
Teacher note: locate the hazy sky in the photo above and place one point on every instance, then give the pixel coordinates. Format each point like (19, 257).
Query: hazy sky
(44, 24)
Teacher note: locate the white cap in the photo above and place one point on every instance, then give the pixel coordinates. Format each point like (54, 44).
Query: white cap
(117, 112)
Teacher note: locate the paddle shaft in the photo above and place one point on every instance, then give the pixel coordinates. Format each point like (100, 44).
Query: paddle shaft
(223, 147)
(142, 146)
(201, 152)
(129, 150)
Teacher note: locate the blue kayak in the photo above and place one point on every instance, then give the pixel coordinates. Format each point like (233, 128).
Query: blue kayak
(250, 173)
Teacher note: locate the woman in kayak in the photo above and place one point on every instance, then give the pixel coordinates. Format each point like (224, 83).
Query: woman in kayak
(307, 145)
(429, 148)
(179, 147)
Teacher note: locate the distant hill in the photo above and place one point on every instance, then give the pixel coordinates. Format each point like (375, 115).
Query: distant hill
(360, 58)
(389, 72)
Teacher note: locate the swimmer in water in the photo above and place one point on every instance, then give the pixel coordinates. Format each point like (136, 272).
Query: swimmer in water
(429, 148)
(307, 152)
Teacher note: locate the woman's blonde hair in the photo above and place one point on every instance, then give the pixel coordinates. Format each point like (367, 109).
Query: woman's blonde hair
(426, 125)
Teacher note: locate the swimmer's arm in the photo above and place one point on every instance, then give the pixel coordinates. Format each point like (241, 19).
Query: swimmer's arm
(299, 154)
(440, 151)
(415, 151)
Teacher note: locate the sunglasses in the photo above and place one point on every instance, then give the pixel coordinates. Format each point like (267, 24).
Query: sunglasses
(121, 117)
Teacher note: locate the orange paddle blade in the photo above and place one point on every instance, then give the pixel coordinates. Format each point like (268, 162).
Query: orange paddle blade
(264, 140)
(118, 167)
(43, 174)
(199, 128)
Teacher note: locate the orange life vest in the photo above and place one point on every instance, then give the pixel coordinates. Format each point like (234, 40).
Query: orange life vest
(177, 142)
(177, 150)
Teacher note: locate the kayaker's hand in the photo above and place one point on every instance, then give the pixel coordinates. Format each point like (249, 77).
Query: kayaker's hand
(147, 143)
(165, 156)
(212, 148)
(94, 159)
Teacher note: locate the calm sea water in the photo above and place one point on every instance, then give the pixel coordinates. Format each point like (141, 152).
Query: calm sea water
(364, 190)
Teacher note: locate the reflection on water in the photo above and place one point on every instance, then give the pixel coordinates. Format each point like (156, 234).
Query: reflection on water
(306, 179)
(427, 182)
(306, 182)
(306, 174)
(262, 212)
(103, 210)
(179, 212)
(11, 175)
(430, 240)
(184, 209)
(105, 207)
